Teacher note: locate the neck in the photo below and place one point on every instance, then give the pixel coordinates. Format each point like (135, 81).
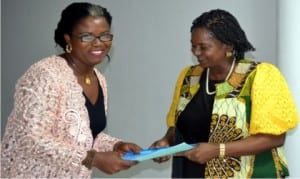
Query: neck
(227, 77)
(87, 74)
(75, 65)
(218, 74)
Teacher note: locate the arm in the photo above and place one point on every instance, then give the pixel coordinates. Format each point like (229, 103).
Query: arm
(273, 113)
(251, 145)
(32, 120)
(105, 142)
(167, 140)
(254, 144)
(169, 137)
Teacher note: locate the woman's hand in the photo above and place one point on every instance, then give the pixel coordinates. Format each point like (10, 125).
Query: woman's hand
(111, 162)
(164, 142)
(123, 147)
(202, 153)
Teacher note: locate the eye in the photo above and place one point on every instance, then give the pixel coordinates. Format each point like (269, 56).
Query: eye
(106, 37)
(87, 37)
(203, 48)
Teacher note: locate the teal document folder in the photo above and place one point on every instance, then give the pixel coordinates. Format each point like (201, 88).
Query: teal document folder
(147, 154)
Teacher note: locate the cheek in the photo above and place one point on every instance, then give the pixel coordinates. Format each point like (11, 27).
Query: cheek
(108, 46)
(80, 46)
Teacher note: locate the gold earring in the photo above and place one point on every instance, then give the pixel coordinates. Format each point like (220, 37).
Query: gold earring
(68, 48)
(228, 54)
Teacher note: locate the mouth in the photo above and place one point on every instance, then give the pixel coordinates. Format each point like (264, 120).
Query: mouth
(97, 52)
(200, 60)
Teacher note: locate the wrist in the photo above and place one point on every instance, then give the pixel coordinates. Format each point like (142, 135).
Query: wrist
(222, 150)
(170, 136)
(89, 159)
(117, 145)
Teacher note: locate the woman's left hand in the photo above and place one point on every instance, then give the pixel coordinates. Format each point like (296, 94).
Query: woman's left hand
(203, 152)
(123, 147)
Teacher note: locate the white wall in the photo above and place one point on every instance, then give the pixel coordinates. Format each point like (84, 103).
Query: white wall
(151, 46)
(288, 62)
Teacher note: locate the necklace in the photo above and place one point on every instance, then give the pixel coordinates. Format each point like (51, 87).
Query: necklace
(87, 78)
(227, 77)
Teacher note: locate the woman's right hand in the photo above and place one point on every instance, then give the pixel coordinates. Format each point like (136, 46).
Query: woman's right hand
(164, 142)
(111, 162)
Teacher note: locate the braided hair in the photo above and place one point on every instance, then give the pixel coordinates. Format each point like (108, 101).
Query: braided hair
(71, 16)
(225, 27)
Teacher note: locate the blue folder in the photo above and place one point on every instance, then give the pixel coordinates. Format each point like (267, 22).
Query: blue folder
(147, 154)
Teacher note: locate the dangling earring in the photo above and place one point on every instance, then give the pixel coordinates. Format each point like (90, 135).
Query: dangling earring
(68, 48)
(108, 57)
(228, 54)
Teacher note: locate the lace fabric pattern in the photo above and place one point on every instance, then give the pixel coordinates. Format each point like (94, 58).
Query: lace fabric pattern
(47, 133)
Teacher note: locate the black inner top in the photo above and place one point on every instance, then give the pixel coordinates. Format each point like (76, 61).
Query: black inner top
(193, 127)
(96, 113)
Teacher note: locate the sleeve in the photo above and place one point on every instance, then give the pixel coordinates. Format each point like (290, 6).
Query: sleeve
(172, 111)
(273, 109)
(105, 142)
(29, 132)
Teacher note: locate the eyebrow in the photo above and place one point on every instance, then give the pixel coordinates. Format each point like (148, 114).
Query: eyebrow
(90, 33)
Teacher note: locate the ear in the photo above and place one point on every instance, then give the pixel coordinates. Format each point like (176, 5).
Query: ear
(67, 38)
(228, 48)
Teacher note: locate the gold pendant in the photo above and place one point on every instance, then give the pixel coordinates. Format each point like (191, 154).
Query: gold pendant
(87, 80)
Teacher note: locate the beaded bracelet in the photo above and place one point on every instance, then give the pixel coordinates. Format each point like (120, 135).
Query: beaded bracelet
(222, 151)
(88, 161)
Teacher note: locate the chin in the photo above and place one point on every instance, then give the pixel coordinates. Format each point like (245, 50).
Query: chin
(97, 59)
(202, 65)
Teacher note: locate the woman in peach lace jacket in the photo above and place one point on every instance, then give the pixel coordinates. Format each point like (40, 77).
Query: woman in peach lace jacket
(55, 128)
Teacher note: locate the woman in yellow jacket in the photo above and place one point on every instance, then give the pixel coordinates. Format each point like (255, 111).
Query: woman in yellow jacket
(236, 110)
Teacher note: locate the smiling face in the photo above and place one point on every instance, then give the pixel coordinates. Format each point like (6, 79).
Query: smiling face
(89, 53)
(209, 51)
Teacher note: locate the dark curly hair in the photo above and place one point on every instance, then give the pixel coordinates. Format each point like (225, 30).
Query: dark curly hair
(72, 14)
(226, 29)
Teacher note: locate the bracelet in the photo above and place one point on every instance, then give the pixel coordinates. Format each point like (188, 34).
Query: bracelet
(88, 161)
(222, 151)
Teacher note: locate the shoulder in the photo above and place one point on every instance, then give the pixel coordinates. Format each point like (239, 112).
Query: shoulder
(267, 73)
(51, 63)
(192, 70)
(261, 68)
(260, 65)
(99, 74)
(266, 67)
(49, 67)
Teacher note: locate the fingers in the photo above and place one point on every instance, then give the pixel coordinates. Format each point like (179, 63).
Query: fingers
(160, 143)
(124, 147)
(162, 159)
(155, 145)
(111, 162)
(135, 148)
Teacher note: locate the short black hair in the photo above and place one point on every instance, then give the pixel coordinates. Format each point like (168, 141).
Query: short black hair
(225, 27)
(72, 14)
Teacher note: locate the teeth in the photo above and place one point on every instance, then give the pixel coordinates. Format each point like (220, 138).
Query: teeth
(97, 52)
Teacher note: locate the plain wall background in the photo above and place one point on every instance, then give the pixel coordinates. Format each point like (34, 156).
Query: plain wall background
(151, 45)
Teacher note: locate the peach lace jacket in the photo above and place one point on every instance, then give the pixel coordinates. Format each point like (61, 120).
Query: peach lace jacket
(48, 133)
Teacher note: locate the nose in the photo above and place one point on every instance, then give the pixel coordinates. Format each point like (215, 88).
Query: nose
(98, 42)
(196, 51)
